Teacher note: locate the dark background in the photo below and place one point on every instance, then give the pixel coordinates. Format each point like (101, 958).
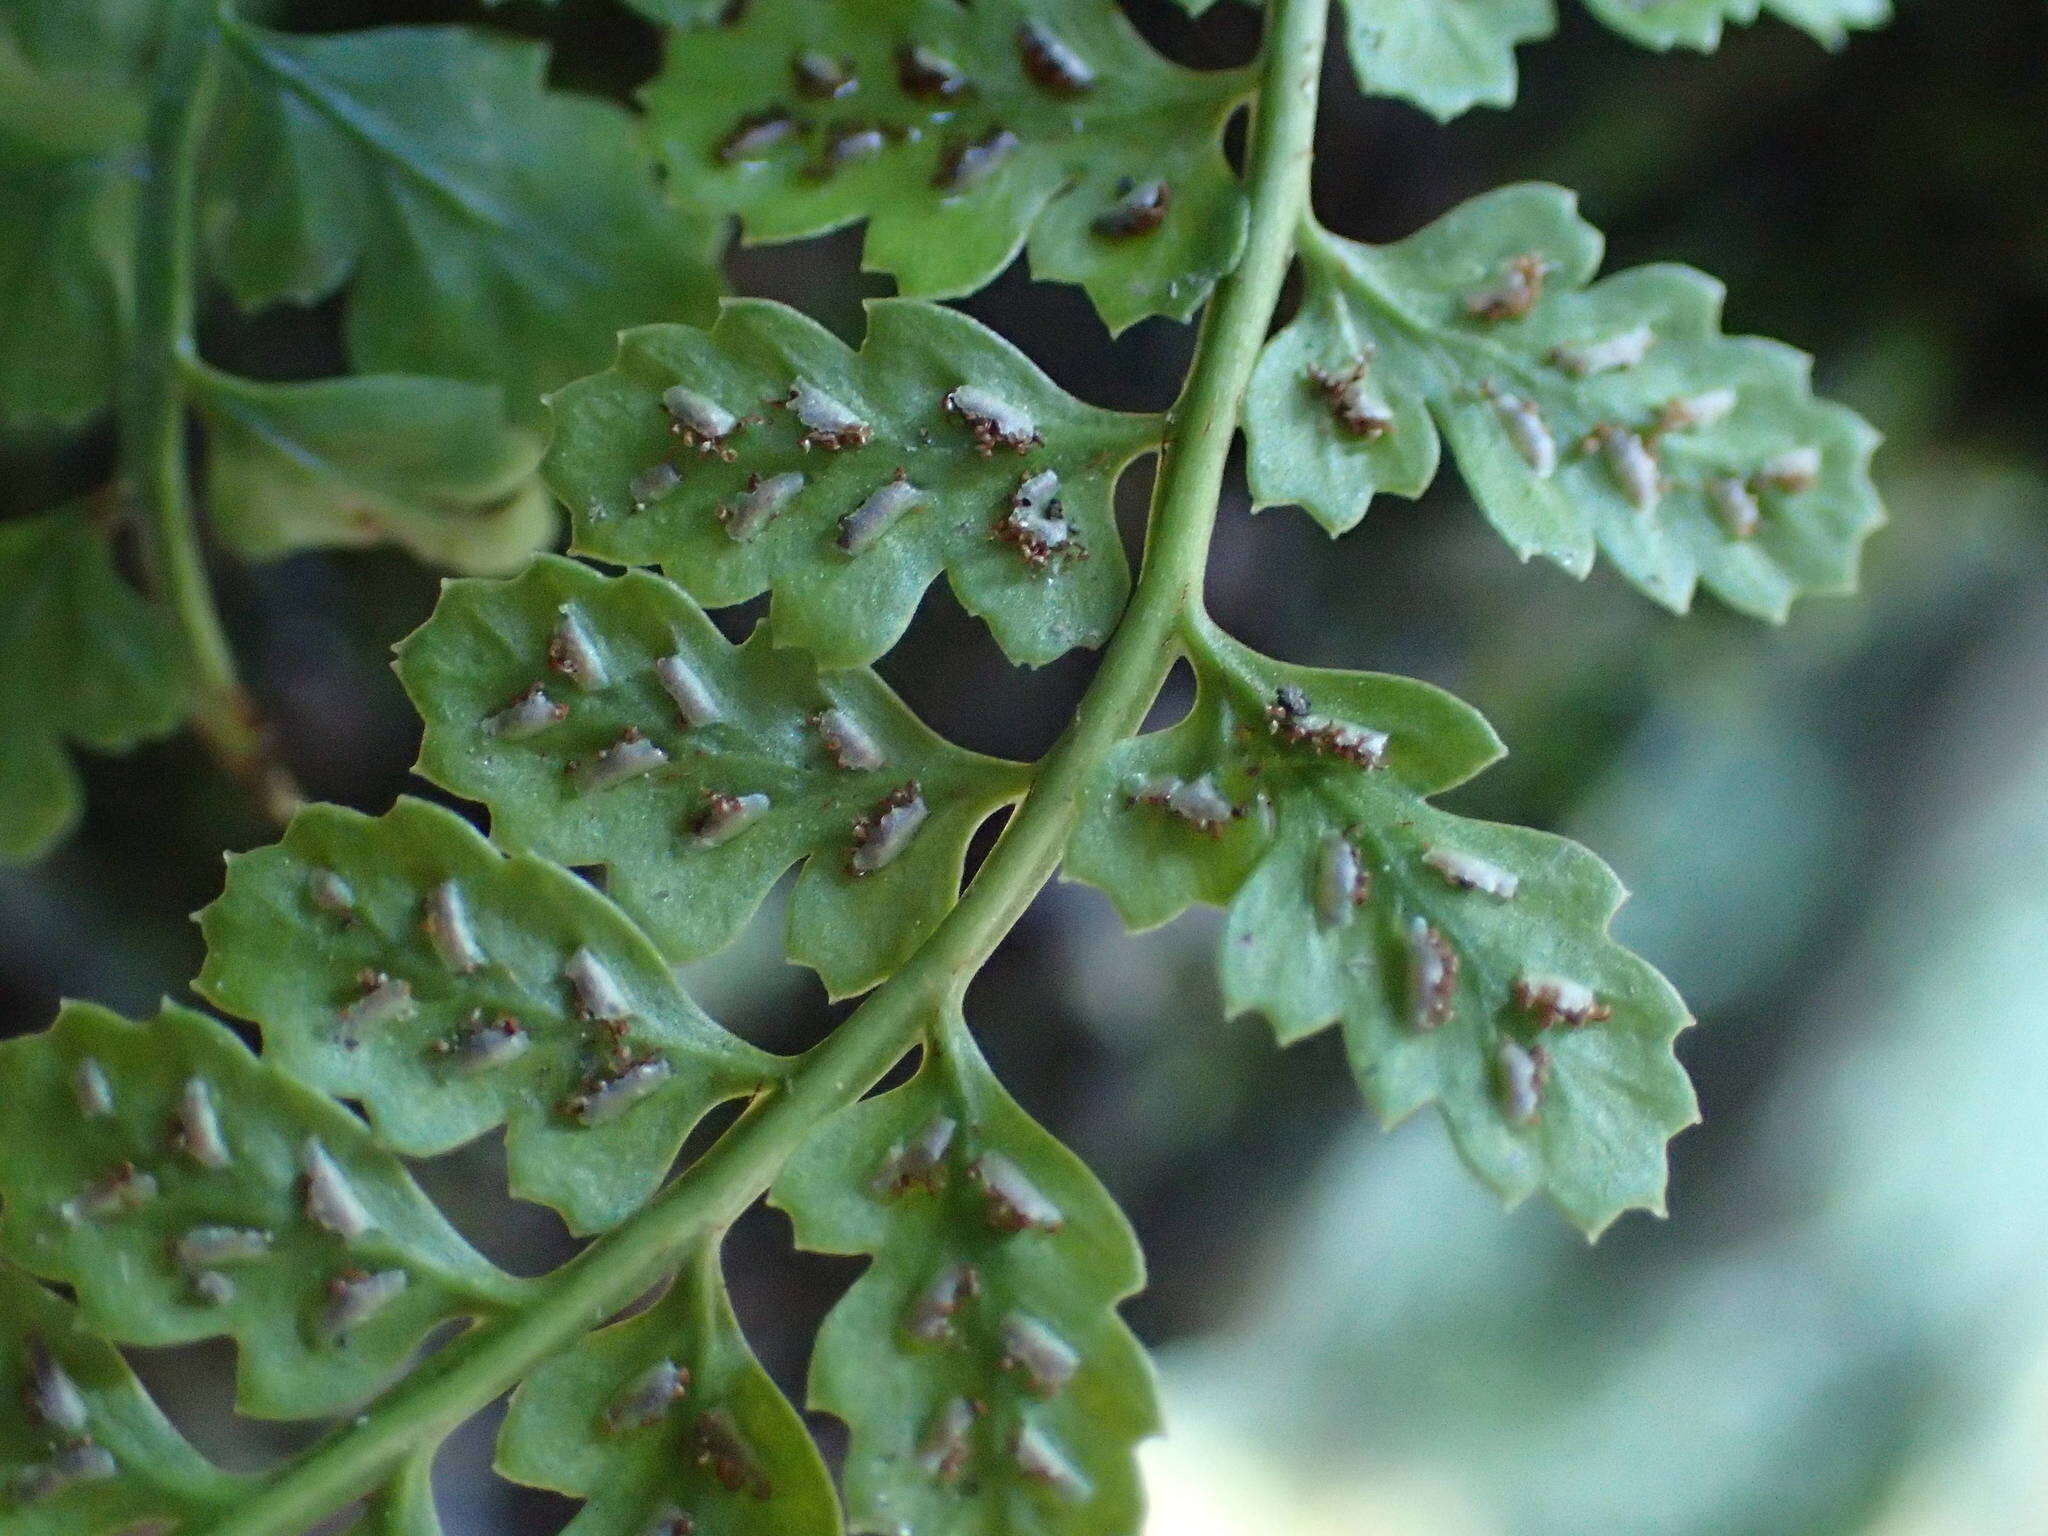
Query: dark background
(1837, 832)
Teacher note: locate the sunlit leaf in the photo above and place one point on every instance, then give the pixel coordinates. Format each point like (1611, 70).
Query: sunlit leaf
(850, 607)
(82, 1448)
(404, 962)
(82, 658)
(689, 872)
(668, 1417)
(428, 463)
(979, 1360)
(490, 229)
(165, 1174)
(1468, 963)
(931, 121)
(1613, 416)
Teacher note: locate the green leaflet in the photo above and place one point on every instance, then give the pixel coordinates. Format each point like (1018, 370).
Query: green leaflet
(83, 657)
(492, 230)
(1307, 942)
(979, 1361)
(1614, 415)
(120, 1465)
(115, 1184)
(1448, 56)
(488, 642)
(959, 156)
(405, 1505)
(668, 1417)
(393, 986)
(428, 463)
(849, 608)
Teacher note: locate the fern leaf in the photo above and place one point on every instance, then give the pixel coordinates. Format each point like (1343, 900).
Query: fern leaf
(979, 1361)
(82, 657)
(959, 136)
(1611, 415)
(1468, 963)
(797, 765)
(666, 1423)
(402, 961)
(913, 408)
(185, 1190)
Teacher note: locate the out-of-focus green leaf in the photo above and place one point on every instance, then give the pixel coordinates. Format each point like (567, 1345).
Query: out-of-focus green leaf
(849, 608)
(493, 230)
(405, 1505)
(428, 463)
(173, 1181)
(82, 1448)
(402, 961)
(1614, 416)
(668, 1417)
(82, 657)
(934, 124)
(1467, 962)
(1448, 56)
(979, 1361)
(488, 642)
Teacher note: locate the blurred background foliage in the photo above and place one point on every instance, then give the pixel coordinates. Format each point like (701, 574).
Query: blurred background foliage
(1837, 834)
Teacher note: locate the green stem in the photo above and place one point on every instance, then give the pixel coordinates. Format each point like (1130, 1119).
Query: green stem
(460, 1379)
(153, 416)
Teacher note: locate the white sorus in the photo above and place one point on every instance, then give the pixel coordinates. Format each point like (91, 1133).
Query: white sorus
(482, 1044)
(90, 1087)
(994, 421)
(1558, 1000)
(1342, 883)
(1515, 294)
(670, 1521)
(1527, 432)
(931, 1312)
(881, 835)
(827, 422)
(625, 759)
(695, 703)
(449, 929)
(848, 742)
(756, 134)
(1035, 510)
(647, 1397)
(1140, 209)
(356, 1297)
(1432, 974)
(1010, 1201)
(1043, 1462)
(527, 715)
(916, 1164)
(1196, 800)
(697, 419)
(943, 1448)
(1046, 1361)
(1052, 63)
(725, 817)
(1351, 401)
(126, 1188)
(385, 999)
(1522, 1071)
(331, 894)
(573, 653)
(761, 504)
(1708, 408)
(1624, 349)
(1796, 469)
(212, 1288)
(721, 1447)
(653, 483)
(197, 1131)
(1735, 505)
(969, 162)
(83, 1461)
(598, 995)
(51, 1395)
(874, 517)
(604, 1097)
(209, 1246)
(1632, 465)
(330, 1200)
(1469, 873)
